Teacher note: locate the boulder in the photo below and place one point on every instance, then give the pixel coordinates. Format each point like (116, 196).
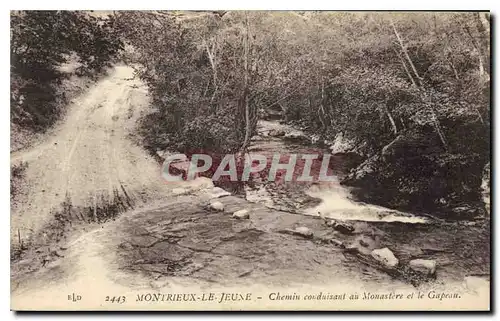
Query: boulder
(216, 206)
(427, 267)
(385, 256)
(303, 231)
(344, 228)
(241, 214)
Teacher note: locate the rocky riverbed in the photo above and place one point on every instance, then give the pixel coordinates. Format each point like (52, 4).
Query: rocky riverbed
(457, 249)
(275, 235)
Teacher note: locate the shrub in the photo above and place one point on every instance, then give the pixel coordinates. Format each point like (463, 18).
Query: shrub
(41, 41)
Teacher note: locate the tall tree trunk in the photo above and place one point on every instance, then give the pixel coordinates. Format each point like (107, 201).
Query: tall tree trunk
(437, 126)
(248, 125)
(481, 46)
(452, 65)
(405, 51)
(391, 120)
(321, 108)
(408, 73)
(483, 29)
(435, 120)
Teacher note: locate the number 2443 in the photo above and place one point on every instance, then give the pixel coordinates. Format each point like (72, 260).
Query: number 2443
(115, 299)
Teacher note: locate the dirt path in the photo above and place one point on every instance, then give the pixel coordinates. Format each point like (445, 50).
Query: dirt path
(89, 157)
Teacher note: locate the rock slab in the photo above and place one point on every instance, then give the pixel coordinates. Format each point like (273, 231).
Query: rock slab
(427, 267)
(216, 206)
(241, 214)
(385, 256)
(304, 231)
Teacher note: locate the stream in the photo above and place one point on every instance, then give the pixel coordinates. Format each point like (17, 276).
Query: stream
(460, 248)
(178, 242)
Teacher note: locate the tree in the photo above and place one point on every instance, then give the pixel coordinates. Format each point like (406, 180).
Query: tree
(40, 42)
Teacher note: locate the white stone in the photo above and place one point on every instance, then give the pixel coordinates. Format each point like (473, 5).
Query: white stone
(424, 266)
(217, 192)
(217, 206)
(241, 214)
(385, 256)
(344, 228)
(304, 231)
(179, 191)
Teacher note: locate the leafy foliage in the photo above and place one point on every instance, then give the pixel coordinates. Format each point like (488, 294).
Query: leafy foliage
(379, 79)
(41, 41)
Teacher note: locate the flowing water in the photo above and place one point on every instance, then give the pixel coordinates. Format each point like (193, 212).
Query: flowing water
(460, 248)
(333, 200)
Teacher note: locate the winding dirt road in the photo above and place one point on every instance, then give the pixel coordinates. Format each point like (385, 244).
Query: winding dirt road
(89, 156)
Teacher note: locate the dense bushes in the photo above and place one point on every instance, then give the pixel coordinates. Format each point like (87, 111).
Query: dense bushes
(200, 78)
(409, 90)
(42, 41)
(413, 173)
(415, 81)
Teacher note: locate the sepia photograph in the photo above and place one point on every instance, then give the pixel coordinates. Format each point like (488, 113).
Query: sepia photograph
(250, 160)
